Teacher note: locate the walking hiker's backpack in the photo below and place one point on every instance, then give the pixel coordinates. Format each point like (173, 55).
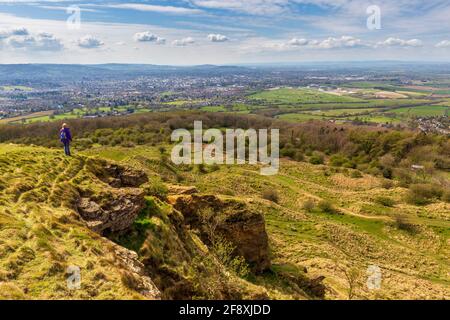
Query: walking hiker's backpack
(62, 135)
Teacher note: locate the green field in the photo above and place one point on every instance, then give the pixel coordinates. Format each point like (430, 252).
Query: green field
(214, 109)
(427, 111)
(310, 104)
(444, 92)
(74, 114)
(377, 118)
(342, 112)
(19, 88)
(288, 96)
(300, 117)
(179, 103)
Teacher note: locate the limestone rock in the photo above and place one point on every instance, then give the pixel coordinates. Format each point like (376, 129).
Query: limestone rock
(181, 190)
(118, 176)
(135, 273)
(244, 228)
(116, 212)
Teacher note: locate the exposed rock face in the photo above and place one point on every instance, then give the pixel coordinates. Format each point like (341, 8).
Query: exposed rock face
(118, 176)
(135, 276)
(115, 201)
(247, 231)
(236, 223)
(115, 213)
(179, 190)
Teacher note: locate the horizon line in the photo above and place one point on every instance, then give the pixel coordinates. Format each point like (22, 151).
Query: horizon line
(232, 64)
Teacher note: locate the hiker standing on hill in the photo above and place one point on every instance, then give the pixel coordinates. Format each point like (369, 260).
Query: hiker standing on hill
(65, 137)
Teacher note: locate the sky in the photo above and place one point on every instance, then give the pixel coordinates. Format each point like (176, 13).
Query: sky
(192, 32)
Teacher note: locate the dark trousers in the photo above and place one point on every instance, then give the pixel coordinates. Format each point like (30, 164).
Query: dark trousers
(67, 147)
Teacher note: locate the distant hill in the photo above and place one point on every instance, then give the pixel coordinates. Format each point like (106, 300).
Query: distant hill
(68, 72)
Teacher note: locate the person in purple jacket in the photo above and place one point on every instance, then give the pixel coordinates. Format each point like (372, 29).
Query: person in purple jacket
(65, 137)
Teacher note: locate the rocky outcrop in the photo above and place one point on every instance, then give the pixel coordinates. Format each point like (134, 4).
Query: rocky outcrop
(112, 200)
(114, 212)
(244, 228)
(247, 231)
(134, 275)
(118, 176)
(181, 190)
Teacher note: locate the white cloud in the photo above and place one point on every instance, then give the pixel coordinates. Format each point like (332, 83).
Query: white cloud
(183, 42)
(298, 42)
(342, 42)
(152, 8)
(257, 7)
(293, 45)
(20, 31)
(21, 38)
(329, 43)
(443, 44)
(217, 38)
(64, 8)
(89, 42)
(148, 37)
(396, 42)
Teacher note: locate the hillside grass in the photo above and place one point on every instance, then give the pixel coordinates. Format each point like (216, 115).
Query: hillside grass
(41, 236)
(360, 232)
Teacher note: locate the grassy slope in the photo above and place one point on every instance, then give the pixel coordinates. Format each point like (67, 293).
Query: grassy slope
(414, 265)
(40, 236)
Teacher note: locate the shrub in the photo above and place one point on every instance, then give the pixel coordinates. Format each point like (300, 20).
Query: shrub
(337, 160)
(316, 158)
(127, 144)
(349, 164)
(157, 189)
(327, 207)
(402, 223)
(309, 205)
(421, 194)
(385, 201)
(225, 253)
(271, 195)
(404, 176)
(356, 174)
(201, 168)
(387, 173)
(288, 152)
(299, 156)
(387, 184)
(446, 196)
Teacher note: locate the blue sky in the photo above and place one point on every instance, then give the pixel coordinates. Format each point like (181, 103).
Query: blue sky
(185, 32)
